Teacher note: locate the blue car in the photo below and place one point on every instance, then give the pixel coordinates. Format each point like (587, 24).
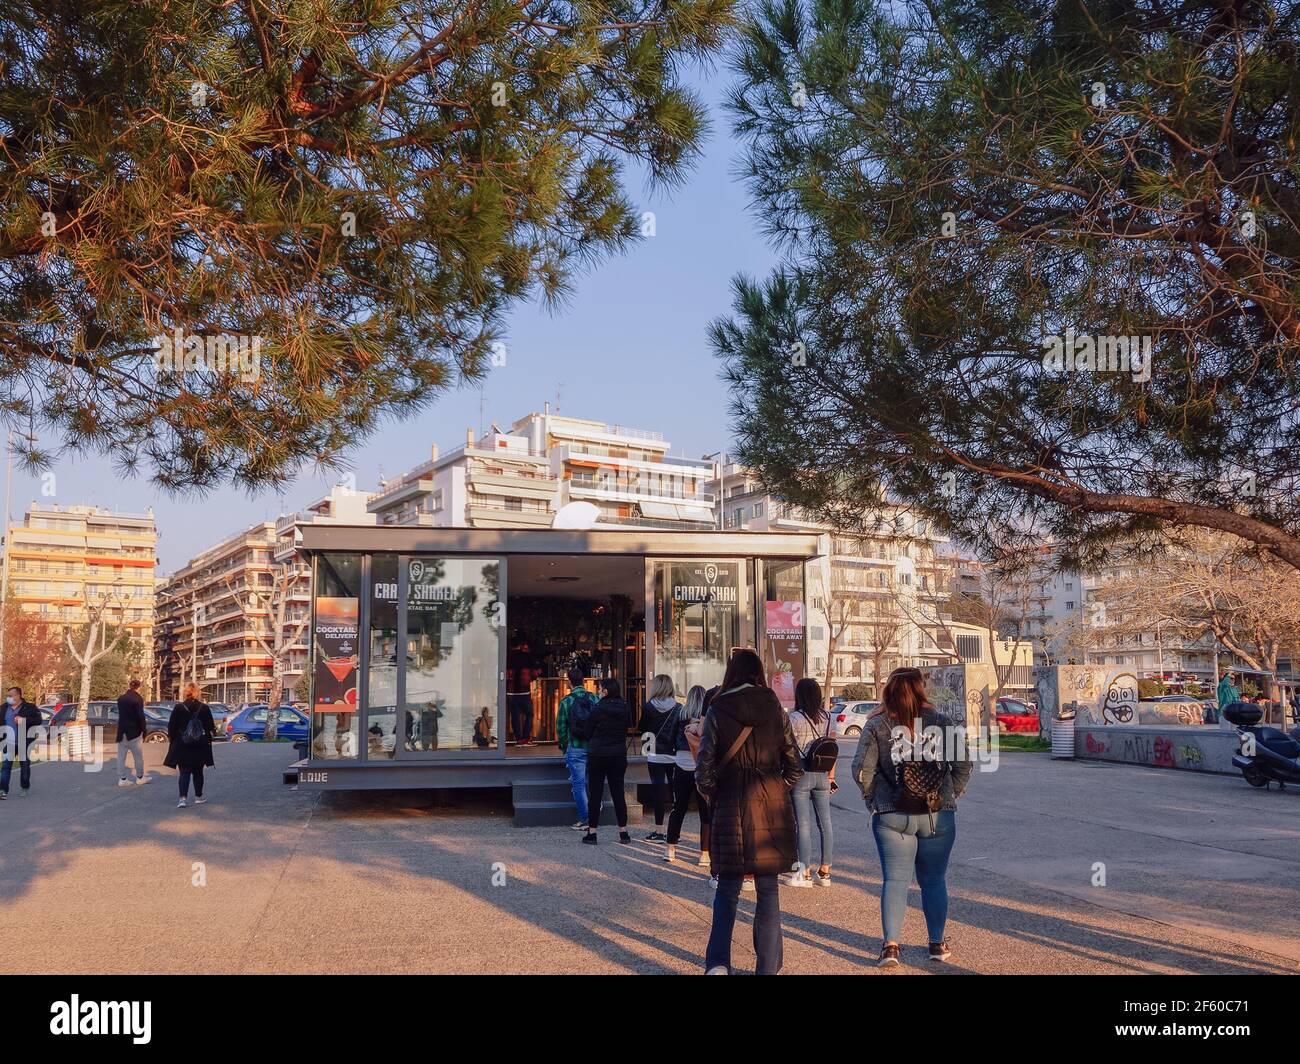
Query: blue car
(249, 724)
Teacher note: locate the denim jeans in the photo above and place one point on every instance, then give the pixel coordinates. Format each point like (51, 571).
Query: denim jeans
(24, 774)
(577, 761)
(812, 797)
(906, 842)
(767, 924)
(520, 707)
(183, 780)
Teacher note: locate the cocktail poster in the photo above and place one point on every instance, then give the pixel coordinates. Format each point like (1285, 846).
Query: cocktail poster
(337, 624)
(783, 627)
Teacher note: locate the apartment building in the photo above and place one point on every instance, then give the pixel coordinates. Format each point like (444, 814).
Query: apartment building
(208, 622)
(520, 478)
(62, 558)
(876, 602)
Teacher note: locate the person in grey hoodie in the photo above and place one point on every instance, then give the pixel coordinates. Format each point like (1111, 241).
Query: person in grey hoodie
(909, 840)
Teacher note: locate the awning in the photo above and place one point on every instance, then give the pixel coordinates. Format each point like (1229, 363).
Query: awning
(675, 512)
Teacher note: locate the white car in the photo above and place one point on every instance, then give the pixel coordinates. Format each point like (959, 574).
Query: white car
(849, 718)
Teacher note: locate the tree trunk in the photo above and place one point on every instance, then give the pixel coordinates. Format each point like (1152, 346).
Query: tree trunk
(273, 703)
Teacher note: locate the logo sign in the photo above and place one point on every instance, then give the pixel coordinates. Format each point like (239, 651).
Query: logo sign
(711, 573)
(417, 571)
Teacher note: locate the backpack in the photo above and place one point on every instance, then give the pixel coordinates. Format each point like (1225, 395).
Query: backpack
(822, 752)
(919, 783)
(580, 714)
(665, 737)
(194, 733)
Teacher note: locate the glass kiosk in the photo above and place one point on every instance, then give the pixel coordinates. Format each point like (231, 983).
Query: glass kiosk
(414, 631)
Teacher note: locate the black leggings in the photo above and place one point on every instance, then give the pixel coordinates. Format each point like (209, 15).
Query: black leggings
(599, 769)
(186, 773)
(661, 787)
(683, 788)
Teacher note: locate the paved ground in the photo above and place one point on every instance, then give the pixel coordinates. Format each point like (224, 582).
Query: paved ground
(1200, 875)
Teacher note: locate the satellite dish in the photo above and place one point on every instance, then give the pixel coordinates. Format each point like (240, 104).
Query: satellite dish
(576, 515)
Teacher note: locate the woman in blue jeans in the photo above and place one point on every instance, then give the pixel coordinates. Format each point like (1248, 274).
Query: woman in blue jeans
(812, 794)
(909, 839)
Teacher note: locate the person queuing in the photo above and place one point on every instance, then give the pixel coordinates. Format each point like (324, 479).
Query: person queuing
(746, 766)
(657, 719)
(579, 702)
(130, 734)
(605, 730)
(21, 717)
(687, 728)
(190, 730)
(913, 796)
(809, 723)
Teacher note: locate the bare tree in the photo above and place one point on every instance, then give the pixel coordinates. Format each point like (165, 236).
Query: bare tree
(87, 655)
(274, 604)
(836, 610)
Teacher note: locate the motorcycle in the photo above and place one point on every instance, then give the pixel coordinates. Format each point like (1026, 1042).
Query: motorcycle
(1276, 755)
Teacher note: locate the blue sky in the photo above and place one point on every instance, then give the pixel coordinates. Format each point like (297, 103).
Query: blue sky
(629, 347)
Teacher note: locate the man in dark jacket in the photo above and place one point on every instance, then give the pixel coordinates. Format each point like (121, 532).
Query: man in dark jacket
(130, 734)
(21, 717)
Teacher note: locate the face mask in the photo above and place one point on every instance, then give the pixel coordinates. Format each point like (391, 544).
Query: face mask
(11, 700)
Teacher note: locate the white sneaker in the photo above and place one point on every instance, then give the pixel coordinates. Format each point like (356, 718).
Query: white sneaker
(200, 801)
(670, 856)
(579, 825)
(143, 779)
(713, 882)
(180, 804)
(124, 783)
(748, 884)
(796, 879)
(717, 969)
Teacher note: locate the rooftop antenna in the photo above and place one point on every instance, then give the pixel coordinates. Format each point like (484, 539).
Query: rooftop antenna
(482, 409)
(558, 386)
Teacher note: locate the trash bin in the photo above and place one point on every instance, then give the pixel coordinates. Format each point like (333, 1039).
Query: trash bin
(1063, 736)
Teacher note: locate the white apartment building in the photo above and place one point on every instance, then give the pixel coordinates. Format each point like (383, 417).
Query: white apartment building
(520, 478)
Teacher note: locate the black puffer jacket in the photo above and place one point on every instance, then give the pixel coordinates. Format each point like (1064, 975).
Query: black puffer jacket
(752, 815)
(607, 728)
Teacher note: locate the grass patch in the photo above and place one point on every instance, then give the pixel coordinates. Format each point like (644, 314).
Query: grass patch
(1029, 743)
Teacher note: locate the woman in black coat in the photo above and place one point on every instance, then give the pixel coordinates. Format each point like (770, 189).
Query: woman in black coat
(606, 733)
(746, 767)
(191, 759)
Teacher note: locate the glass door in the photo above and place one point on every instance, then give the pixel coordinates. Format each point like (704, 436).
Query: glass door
(701, 613)
(451, 624)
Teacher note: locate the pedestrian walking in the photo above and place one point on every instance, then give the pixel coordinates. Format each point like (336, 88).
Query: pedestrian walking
(190, 730)
(605, 731)
(657, 720)
(578, 703)
(811, 726)
(130, 734)
(21, 717)
(746, 766)
(912, 791)
(688, 729)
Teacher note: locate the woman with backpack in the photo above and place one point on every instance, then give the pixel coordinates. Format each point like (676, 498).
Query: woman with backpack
(912, 792)
(746, 766)
(190, 730)
(811, 726)
(688, 729)
(605, 730)
(657, 719)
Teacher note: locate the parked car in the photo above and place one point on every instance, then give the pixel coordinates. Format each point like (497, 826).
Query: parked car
(221, 714)
(103, 714)
(849, 718)
(250, 724)
(1013, 715)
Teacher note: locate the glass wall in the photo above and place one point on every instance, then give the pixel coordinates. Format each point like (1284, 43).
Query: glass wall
(381, 659)
(335, 654)
(450, 684)
(783, 625)
(701, 613)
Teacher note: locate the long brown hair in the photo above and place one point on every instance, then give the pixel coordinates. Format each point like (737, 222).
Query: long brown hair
(904, 699)
(744, 667)
(808, 700)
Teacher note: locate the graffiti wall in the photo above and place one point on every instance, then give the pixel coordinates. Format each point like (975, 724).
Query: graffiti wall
(961, 692)
(1173, 746)
(1102, 694)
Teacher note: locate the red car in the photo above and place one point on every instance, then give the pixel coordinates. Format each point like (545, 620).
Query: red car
(1016, 716)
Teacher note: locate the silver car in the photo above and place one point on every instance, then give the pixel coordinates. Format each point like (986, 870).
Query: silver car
(849, 718)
